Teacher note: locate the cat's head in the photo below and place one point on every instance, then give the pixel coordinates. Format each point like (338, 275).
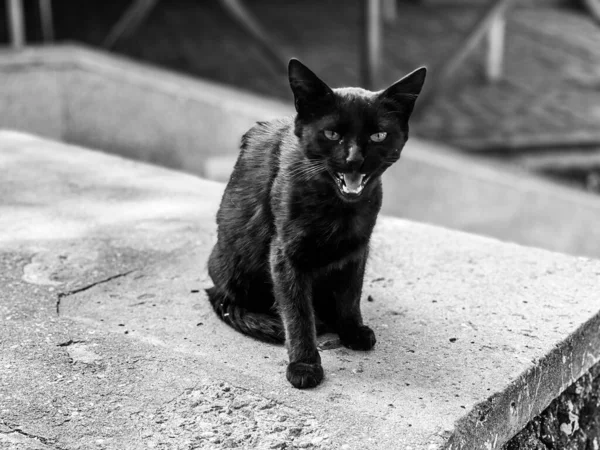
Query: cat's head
(356, 134)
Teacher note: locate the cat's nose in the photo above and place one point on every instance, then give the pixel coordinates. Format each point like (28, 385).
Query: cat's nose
(355, 158)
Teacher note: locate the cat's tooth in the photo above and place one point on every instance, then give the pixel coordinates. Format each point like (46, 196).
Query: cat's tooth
(353, 183)
(352, 191)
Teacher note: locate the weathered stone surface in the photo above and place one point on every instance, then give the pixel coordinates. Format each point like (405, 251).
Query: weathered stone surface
(467, 326)
(571, 422)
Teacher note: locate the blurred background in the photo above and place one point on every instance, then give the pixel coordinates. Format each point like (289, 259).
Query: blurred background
(523, 78)
(505, 137)
(540, 109)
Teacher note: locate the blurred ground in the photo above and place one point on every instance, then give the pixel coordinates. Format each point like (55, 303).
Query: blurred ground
(550, 94)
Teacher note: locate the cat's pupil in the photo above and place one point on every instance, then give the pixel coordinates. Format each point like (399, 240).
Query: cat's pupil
(332, 135)
(378, 137)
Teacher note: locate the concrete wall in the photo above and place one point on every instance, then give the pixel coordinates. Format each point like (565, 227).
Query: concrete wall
(109, 103)
(435, 184)
(31, 99)
(156, 116)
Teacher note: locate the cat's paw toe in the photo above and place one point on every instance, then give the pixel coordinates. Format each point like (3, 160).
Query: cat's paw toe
(304, 375)
(361, 338)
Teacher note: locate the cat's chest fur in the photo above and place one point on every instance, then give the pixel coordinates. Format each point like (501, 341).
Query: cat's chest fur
(320, 232)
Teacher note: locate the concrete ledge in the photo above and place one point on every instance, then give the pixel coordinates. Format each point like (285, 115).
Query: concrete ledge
(476, 337)
(102, 101)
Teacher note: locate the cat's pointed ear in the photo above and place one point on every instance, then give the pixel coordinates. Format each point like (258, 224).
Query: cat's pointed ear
(405, 91)
(311, 95)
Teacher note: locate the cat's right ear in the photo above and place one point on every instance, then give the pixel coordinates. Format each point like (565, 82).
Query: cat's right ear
(405, 91)
(311, 95)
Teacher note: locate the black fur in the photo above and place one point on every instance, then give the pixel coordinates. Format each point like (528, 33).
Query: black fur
(293, 237)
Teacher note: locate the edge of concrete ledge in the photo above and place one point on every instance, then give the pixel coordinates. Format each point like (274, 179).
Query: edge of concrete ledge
(505, 413)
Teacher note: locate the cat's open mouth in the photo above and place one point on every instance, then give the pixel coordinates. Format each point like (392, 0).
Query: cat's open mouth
(350, 184)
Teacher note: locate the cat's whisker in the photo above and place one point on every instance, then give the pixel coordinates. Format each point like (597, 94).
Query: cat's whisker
(309, 172)
(389, 113)
(307, 169)
(310, 175)
(306, 163)
(301, 171)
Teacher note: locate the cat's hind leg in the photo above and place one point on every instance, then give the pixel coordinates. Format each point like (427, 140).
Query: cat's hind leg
(336, 296)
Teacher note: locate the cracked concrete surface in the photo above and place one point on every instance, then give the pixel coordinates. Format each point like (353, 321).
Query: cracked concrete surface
(62, 295)
(23, 438)
(475, 337)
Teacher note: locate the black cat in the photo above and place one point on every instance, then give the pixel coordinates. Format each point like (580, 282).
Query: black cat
(297, 214)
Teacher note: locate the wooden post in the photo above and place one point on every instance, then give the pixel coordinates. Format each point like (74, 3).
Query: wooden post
(129, 22)
(390, 11)
(495, 54)
(16, 23)
(443, 76)
(47, 20)
(370, 60)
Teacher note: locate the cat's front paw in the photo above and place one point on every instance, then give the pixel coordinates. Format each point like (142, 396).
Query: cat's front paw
(360, 338)
(304, 375)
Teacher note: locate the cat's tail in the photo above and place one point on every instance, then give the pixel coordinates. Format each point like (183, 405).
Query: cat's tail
(264, 327)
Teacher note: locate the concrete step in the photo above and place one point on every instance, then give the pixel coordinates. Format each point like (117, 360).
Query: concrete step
(475, 336)
(85, 97)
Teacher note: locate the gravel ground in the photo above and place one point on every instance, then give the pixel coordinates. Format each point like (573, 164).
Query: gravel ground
(221, 416)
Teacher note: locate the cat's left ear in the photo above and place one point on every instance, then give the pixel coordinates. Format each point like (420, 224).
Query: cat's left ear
(311, 95)
(405, 91)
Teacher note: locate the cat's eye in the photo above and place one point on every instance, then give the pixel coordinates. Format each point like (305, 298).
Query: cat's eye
(378, 137)
(331, 135)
